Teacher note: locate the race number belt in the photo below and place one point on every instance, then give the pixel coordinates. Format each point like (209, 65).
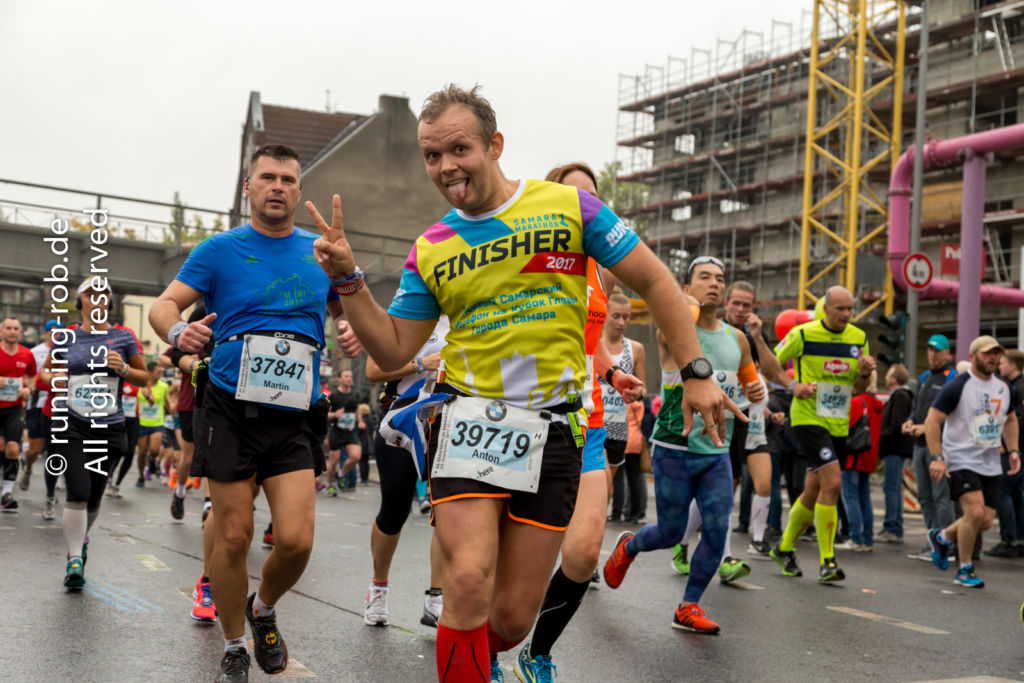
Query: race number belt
(491, 441)
(987, 429)
(93, 396)
(347, 422)
(729, 382)
(833, 400)
(130, 405)
(9, 388)
(276, 368)
(150, 411)
(614, 406)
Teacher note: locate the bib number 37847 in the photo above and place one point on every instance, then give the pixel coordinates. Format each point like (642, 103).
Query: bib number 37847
(276, 370)
(491, 441)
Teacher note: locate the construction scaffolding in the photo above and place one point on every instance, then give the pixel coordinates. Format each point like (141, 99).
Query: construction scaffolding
(719, 139)
(841, 210)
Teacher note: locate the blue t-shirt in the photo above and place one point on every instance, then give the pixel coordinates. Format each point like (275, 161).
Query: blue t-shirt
(94, 390)
(258, 283)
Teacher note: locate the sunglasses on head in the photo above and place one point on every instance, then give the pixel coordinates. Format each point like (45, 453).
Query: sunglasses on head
(705, 259)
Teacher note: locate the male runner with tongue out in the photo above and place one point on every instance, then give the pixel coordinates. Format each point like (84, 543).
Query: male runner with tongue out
(508, 267)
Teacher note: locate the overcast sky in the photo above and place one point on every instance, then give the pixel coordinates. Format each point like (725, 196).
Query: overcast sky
(141, 99)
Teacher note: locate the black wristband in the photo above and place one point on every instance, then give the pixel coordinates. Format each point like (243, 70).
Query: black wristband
(611, 373)
(176, 355)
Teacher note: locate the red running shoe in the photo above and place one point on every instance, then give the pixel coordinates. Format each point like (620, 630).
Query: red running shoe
(203, 610)
(619, 561)
(691, 618)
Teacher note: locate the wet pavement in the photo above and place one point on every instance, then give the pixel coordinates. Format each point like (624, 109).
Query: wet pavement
(893, 619)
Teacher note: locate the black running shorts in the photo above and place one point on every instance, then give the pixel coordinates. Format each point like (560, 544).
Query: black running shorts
(339, 438)
(614, 452)
(12, 423)
(34, 421)
(549, 508)
(818, 447)
(231, 446)
(965, 481)
(185, 420)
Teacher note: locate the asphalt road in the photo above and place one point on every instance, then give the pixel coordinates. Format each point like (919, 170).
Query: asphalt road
(893, 619)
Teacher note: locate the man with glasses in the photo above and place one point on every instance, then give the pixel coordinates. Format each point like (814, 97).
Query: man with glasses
(692, 467)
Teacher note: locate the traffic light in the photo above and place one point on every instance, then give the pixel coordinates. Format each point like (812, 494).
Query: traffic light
(894, 337)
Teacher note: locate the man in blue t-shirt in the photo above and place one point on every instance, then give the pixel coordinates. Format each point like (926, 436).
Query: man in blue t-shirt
(255, 421)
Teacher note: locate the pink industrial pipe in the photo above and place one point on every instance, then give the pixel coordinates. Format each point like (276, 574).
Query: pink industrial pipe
(970, 150)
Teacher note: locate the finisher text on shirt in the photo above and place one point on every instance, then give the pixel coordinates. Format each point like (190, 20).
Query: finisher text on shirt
(499, 274)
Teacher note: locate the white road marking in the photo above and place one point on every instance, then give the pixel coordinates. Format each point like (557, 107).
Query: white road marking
(152, 563)
(889, 620)
(745, 586)
(970, 679)
(295, 668)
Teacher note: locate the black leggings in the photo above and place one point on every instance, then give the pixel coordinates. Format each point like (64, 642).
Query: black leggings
(398, 478)
(86, 484)
(629, 476)
(132, 429)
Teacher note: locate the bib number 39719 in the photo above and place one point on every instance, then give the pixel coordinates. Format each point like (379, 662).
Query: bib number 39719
(491, 441)
(276, 370)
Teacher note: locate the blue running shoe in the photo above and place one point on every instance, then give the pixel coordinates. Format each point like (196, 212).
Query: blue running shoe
(496, 675)
(536, 670)
(940, 550)
(966, 577)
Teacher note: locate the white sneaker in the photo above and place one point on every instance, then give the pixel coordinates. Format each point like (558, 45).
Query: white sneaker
(50, 509)
(115, 491)
(60, 483)
(432, 606)
(376, 612)
(24, 479)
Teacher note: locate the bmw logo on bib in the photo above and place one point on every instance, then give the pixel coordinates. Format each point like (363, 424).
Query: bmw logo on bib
(836, 389)
(720, 377)
(282, 347)
(496, 411)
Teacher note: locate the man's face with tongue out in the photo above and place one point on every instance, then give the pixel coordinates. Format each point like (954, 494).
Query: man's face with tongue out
(462, 167)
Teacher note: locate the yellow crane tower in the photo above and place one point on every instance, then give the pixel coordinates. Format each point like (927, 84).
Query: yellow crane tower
(856, 57)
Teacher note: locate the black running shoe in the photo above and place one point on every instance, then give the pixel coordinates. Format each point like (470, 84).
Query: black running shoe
(177, 507)
(8, 504)
(786, 559)
(830, 571)
(268, 645)
(234, 666)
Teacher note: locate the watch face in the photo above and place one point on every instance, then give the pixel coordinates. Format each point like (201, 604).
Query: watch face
(701, 367)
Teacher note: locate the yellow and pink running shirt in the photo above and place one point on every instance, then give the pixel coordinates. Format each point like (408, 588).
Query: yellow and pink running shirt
(513, 282)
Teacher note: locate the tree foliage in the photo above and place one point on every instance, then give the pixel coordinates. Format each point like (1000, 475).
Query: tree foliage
(623, 197)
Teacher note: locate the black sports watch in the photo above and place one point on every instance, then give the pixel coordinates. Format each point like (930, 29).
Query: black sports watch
(699, 367)
(611, 373)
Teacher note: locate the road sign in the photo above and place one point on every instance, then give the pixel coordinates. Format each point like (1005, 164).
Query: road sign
(917, 271)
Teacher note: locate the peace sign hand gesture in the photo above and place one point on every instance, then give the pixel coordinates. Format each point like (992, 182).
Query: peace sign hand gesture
(332, 251)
